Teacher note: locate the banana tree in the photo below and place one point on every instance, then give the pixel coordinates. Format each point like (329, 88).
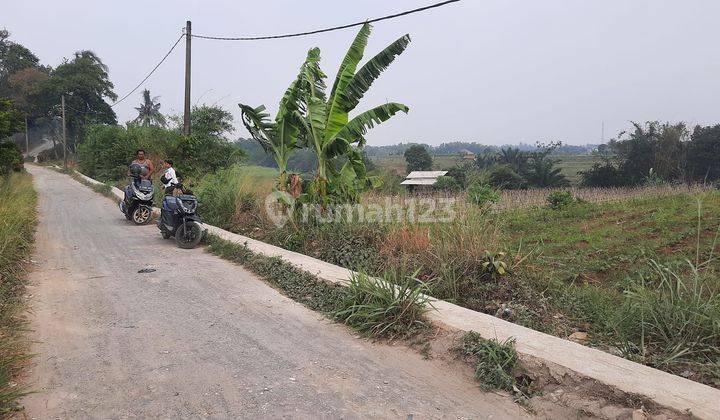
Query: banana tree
(281, 136)
(328, 130)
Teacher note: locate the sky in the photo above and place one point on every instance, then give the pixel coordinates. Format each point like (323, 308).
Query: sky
(489, 71)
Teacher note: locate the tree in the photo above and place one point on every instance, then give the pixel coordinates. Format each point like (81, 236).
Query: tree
(418, 158)
(10, 158)
(85, 83)
(13, 57)
(329, 131)
(211, 120)
(515, 158)
(605, 175)
(11, 120)
(279, 138)
(505, 177)
(652, 146)
(703, 154)
(541, 169)
(149, 112)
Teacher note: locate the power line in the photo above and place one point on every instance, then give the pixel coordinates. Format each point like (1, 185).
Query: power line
(258, 38)
(151, 72)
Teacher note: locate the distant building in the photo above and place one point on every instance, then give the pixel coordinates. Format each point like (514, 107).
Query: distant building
(467, 155)
(424, 178)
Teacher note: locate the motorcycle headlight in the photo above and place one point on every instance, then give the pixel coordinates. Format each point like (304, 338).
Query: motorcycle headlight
(188, 206)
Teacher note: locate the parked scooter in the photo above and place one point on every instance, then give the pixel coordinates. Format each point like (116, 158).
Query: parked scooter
(137, 203)
(178, 219)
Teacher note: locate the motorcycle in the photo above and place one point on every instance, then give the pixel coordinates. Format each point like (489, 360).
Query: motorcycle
(178, 219)
(137, 202)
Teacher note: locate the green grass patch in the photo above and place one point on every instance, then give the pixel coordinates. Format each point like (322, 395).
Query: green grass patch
(496, 363)
(19, 217)
(392, 307)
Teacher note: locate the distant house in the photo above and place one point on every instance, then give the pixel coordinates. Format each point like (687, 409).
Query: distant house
(467, 155)
(422, 178)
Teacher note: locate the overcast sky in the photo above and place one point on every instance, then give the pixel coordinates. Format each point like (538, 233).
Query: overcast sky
(491, 71)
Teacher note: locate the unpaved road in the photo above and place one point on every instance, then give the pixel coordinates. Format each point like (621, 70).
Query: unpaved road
(200, 337)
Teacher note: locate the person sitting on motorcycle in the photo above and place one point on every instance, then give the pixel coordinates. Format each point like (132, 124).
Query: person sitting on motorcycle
(147, 163)
(169, 178)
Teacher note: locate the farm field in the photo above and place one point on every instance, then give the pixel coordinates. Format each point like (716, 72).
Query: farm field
(570, 165)
(579, 272)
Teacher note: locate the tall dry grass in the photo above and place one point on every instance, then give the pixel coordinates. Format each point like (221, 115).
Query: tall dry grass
(17, 224)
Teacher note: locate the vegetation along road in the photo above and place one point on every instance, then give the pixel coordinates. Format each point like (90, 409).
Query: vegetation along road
(200, 336)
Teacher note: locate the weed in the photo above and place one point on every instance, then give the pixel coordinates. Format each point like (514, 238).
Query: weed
(558, 200)
(496, 362)
(18, 215)
(391, 307)
(480, 194)
(671, 319)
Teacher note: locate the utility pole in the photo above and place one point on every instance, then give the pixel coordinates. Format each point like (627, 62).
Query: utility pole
(186, 116)
(27, 143)
(64, 133)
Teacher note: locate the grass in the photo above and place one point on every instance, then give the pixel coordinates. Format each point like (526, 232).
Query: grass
(19, 217)
(496, 363)
(391, 307)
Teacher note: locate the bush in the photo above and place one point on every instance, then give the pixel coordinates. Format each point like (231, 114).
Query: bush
(480, 194)
(391, 307)
(503, 176)
(11, 158)
(446, 183)
(603, 175)
(558, 200)
(460, 175)
(108, 150)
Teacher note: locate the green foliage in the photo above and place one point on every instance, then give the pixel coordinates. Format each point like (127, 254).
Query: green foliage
(149, 111)
(481, 194)
(604, 175)
(671, 317)
(13, 58)
(505, 177)
(703, 154)
(109, 149)
(496, 361)
(459, 173)
(85, 82)
(11, 120)
(558, 200)
(447, 183)
(494, 263)
(418, 158)
(10, 158)
(391, 307)
(211, 120)
(18, 215)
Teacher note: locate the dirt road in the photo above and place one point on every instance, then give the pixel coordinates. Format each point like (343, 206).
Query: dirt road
(200, 337)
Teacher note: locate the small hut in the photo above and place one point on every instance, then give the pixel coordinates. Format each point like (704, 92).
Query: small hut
(422, 179)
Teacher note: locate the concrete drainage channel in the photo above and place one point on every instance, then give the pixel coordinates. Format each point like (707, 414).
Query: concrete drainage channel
(560, 361)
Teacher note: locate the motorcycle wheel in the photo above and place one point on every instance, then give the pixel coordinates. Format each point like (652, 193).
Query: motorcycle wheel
(141, 215)
(166, 234)
(189, 239)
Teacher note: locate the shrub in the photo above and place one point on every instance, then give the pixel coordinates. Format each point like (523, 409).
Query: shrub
(460, 175)
(447, 183)
(603, 175)
(480, 194)
(558, 200)
(503, 176)
(391, 307)
(11, 158)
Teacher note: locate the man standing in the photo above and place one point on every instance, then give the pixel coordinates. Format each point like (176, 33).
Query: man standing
(147, 163)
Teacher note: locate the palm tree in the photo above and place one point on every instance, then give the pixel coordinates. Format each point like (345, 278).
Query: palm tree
(329, 131)
(544, 174)
(149, 112)
(280, 137)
